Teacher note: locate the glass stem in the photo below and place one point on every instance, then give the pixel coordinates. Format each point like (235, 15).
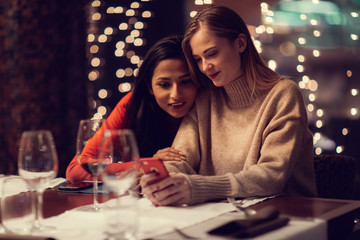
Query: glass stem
(39, 206)
(96, 203)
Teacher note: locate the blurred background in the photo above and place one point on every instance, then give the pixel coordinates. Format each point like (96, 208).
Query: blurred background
(62, 61)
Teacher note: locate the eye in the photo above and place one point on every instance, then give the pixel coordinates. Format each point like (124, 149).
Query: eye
(163, 84)
(197, 59)
(212, 54)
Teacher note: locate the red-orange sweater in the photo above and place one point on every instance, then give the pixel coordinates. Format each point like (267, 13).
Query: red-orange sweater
(74, 171)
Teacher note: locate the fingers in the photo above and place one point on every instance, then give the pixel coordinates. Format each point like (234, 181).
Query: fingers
(170, 154)
(174, 190)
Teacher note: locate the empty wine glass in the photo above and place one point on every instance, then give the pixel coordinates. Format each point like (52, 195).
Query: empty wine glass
(38, 164)
(88, 154)
(121, 214)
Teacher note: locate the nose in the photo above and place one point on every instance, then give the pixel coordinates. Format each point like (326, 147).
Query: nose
(175, 91)
(206, 66)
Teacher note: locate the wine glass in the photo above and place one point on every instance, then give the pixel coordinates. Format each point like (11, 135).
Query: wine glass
(88, 154)
(121, 214)
(38, 164)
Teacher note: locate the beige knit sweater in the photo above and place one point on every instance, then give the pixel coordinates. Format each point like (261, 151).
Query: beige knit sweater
(243, 145)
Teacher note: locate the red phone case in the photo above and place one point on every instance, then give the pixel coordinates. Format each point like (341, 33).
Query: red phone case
(150, 165)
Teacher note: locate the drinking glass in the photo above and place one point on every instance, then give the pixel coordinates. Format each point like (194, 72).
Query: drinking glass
(88, 155)
(17, 208)
(121, 214)
(38, 164)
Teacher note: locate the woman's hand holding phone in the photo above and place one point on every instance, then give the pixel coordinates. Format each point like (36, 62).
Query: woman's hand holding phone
(162, 188)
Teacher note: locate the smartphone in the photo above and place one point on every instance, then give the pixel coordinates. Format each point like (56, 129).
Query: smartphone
(150, 165)
(75, 186)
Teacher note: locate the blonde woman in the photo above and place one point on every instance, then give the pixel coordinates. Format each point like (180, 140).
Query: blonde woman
(247, 134)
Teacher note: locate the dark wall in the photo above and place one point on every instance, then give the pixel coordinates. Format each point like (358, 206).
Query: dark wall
(42, 74)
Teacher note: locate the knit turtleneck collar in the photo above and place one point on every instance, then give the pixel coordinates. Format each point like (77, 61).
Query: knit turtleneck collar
(239, 93)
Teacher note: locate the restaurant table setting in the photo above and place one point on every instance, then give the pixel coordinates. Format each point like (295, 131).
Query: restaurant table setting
(210, 219)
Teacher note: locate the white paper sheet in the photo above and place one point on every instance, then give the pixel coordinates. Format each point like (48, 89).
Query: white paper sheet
(153, 221)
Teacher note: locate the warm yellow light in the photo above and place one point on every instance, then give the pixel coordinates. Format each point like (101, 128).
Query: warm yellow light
(135, 33)
(96, 16)
(110, 10)
(102, 38)
(108, 31)
(91, 38)
(354, 37)
(101, 110)
(119, 52)
(353, 111)
(301, 40)
(319, 123)
(320, 113)
(339, 149)
(102, 93)
(128, 72)
(316, 33)
(135, 5)
(314, 22)
(303, 17)
(316, 53)
(130, 13)
(318, 151)
(120, 44)
(193, 13)
(354, 92)
(94, 49)
(135, 59)
(123, 26)
(300, 68)
(310, 107)
(138, 42)
(93, 75)
(95, 62)
(311, 97)
(345, 131)
(349, 73)
(120, 73)
(129, 39)
(118, 10)
(124, 87)
(272, 64)
(146, 14)
(301, 58)
(95, 3)
(139, 25)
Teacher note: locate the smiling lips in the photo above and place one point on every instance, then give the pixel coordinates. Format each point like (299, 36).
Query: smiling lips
(179, 104)
(212, 76)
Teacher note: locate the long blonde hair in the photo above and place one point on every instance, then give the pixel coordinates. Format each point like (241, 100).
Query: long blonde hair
(226, 23)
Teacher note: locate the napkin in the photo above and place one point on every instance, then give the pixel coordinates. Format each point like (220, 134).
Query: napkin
(266, 219)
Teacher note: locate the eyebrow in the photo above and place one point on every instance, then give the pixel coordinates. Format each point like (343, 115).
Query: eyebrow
(168, 79)
(207, 50)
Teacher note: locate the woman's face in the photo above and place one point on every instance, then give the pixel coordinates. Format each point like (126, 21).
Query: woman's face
(217, 57)
(173, 88)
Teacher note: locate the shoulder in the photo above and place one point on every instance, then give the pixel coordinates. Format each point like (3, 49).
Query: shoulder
(285, 90)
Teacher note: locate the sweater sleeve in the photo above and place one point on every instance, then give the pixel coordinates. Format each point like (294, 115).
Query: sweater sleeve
(74, 171)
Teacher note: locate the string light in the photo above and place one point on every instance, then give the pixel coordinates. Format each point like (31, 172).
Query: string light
(133, 15)
(309, 36)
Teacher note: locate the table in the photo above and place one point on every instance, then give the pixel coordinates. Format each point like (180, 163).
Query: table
(337, 215)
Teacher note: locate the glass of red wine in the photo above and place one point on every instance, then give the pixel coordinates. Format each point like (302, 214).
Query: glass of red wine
(89, 139)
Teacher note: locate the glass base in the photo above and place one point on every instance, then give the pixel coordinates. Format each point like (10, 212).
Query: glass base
(88, 208)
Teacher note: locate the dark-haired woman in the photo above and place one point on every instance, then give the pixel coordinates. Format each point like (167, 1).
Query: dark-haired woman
(163, 94)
